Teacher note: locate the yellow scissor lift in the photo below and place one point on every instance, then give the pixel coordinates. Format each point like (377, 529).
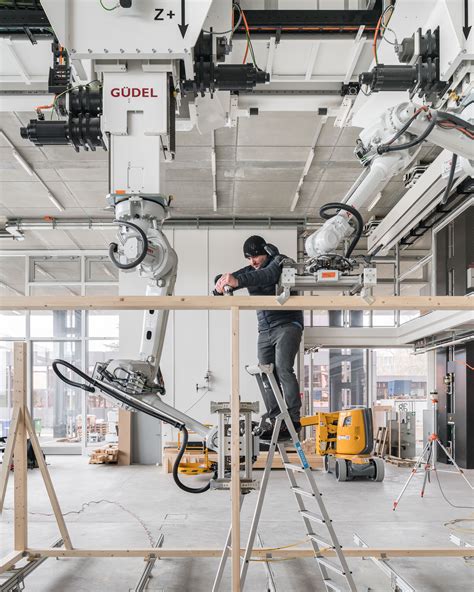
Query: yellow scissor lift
(345, 440)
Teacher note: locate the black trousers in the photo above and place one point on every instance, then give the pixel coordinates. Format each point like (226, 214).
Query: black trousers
(279, 346)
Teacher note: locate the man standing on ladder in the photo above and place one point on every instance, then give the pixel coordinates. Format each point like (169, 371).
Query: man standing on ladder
(279, 331)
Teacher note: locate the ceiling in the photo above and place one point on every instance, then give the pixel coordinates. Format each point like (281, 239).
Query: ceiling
(259, 164)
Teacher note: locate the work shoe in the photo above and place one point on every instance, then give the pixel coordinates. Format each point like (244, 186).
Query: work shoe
(266, 434)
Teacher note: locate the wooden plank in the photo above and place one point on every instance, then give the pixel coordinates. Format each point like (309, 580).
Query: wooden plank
(242, 302)
(356, 552)
(235, 450)
(7, 457)
(19, 451)
(47, 481)
(124, 437)
(9, 561)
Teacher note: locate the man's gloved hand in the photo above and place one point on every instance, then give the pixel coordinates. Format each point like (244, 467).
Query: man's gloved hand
(226, 279)
(216, 279)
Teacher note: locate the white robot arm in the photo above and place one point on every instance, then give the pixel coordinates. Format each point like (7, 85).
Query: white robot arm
(387, 148)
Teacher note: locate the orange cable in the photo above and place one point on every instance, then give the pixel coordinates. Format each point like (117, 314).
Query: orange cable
(248, 36)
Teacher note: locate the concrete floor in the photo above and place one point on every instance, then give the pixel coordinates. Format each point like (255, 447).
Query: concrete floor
(151, 504)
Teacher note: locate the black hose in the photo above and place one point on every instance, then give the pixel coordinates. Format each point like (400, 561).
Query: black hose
(323, 212)
(113, 247)
(384, 148)
(108, 391)
(449, 185)
(131, 404)
(84, 387)
(179, 456)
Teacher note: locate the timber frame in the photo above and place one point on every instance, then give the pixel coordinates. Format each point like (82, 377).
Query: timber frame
(22, 423)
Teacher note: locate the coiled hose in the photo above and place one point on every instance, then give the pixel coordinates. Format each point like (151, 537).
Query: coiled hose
(324, 213)
(113, 247)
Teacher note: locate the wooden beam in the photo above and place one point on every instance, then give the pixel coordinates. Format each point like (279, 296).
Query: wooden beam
(124, 437)
(9, 561)
(7, 457)
(47, 480)
(241, 302)
(378, 552)
(19, 450)
(235, 451)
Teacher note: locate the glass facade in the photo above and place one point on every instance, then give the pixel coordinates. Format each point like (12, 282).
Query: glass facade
(82, 338)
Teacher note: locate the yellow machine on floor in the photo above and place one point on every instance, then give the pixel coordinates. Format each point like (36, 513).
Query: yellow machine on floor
(345, 440)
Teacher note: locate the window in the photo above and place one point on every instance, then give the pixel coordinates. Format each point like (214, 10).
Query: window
(56, 405)
(401, 382)
(101, 413)
(59, 410)
(6, 385)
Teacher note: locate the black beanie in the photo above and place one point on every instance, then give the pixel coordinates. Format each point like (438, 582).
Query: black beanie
(254, 246)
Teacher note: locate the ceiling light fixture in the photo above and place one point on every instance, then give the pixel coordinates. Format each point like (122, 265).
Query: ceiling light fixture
(19, 158)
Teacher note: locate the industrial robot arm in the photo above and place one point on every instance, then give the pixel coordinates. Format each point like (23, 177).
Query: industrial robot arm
(386, 148)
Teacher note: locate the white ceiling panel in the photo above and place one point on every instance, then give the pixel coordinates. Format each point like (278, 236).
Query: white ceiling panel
(278, 129)
(88, 193)
(268, 194)
(273, 153)
(22, 194)
(93, 172)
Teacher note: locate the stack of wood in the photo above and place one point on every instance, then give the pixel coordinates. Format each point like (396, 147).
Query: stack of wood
(105, 455)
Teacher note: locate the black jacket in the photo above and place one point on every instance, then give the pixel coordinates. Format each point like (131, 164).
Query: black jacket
(262, 282)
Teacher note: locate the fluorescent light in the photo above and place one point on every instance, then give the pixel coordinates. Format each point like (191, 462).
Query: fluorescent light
(23, 162)
(54, 201)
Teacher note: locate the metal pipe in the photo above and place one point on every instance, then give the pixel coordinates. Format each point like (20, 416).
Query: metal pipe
(423, 350)
(421, 263)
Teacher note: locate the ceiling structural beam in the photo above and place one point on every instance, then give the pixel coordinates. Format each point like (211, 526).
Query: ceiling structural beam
(19, 64)
(312, 60)
(309, 160)
(11, 288)
(23, 101)
(19, 158)
(359, 43)
(271, 56)
(214, 171)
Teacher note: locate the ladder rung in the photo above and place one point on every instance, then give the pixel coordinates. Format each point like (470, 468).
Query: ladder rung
(291, 467)
(330, 565)
(331, 586)
(296, 489)
(312, 516)
(315, 537)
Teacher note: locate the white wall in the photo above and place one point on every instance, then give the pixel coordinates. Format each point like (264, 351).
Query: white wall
(197, 341)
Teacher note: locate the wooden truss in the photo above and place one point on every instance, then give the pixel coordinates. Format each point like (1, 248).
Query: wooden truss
(22, 425)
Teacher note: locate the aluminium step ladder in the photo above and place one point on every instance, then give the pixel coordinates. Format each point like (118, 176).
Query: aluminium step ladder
(267, 382)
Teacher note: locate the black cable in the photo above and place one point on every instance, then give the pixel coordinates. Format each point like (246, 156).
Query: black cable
(113, 247)
(137, 407)
(404, 128)
(417, 140)
(179, 456)
(84, 387)
(449, 185)
(445, 116)
(446, 499)
(110, 392)
(323, 212)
